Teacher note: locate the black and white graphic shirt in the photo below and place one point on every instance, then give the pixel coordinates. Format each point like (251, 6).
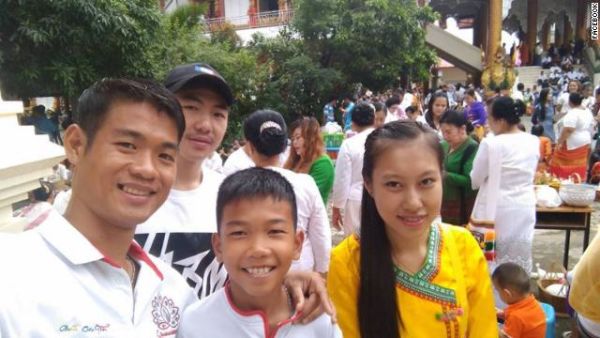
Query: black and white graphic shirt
(180, 231)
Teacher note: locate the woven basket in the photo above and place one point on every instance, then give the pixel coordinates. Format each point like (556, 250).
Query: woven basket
(558, 303)
(578, 195)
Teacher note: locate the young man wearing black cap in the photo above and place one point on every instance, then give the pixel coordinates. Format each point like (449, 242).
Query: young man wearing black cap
(179, 232)
(181, 229)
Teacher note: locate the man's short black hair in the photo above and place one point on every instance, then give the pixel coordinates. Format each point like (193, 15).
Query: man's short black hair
(95, 102)
(255, 183)
(575, 99)
(394, 99)
(513, 277)
(363, 115)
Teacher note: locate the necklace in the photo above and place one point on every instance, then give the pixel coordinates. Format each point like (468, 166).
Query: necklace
(289, 299)
(133, 271)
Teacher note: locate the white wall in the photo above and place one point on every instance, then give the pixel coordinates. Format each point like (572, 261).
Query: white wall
(236, 8)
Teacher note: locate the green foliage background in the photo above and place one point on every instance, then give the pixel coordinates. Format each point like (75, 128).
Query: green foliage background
(60, 47)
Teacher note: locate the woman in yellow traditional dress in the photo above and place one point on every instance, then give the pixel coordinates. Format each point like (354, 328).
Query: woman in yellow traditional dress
(407, 274)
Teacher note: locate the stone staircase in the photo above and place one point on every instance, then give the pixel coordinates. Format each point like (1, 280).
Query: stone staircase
(454, 50)
(528, 75)
(24, 159)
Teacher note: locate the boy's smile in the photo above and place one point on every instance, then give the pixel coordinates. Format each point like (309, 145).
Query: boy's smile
(257, 243)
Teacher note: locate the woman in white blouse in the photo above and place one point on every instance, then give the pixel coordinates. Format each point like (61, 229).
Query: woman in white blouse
(573, 144)
(266, 134)
(503, 171)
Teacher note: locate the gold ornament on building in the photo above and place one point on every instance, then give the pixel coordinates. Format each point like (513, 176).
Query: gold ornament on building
(498, 73)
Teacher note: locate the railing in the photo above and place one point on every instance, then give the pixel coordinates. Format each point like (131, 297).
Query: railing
(262, 19)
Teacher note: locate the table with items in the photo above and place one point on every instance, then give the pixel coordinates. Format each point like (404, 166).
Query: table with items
(566, 218)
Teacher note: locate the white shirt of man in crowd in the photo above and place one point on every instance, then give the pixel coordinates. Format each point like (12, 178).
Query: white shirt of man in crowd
(238, 160)
(518, 95)
(407, 101)
(563, 99)
(214, 162)
(348, 182)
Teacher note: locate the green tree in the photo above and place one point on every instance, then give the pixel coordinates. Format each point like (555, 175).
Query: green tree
(372, 42)
(179, 43)
(297, 85)
(60, 47)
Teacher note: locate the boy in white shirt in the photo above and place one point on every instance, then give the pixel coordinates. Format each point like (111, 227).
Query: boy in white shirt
(256, 241)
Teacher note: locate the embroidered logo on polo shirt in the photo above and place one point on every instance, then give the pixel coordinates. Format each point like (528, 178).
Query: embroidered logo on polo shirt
(84, 328)
(165, 315)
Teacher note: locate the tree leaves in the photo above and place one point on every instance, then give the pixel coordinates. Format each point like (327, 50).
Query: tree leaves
(370, 42)
(60, 47)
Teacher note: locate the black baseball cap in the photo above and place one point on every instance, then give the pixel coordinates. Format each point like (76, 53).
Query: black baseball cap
(202, 73)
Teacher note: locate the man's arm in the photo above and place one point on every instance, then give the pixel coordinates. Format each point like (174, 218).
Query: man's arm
(310, 296)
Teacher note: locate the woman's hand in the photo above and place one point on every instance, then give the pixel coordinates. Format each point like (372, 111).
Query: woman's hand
(336, 219)
(309, 294)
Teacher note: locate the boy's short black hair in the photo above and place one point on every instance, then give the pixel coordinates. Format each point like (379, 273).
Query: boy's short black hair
(537, 130)
(255, 183)
(513, 277)
(95, 102)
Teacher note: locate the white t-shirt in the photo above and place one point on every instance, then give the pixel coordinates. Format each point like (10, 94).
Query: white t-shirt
(180, 232)
(588, 102)
(214, 162)
(563, 102)
(55, 283)
(518, 95)
(217, 317)
(238, 160)
(583, 122)
(348, 182)
(312, 220)
(61, 201)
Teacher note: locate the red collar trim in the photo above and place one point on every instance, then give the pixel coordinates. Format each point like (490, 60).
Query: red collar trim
(262, 314)
(135, 251)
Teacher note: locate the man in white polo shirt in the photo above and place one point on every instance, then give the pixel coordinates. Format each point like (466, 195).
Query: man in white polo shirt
(83, 275)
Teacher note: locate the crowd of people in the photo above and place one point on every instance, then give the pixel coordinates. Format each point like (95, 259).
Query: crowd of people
(433, 193)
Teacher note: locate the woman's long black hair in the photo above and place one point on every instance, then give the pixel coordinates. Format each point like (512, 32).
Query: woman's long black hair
(378, 314)
(543, 100)
(429, 112)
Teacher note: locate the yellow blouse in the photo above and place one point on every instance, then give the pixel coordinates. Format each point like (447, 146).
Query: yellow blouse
(451, 296)
(584, 296)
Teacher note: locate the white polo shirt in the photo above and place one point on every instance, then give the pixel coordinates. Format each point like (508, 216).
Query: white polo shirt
(55, 283)
(217, 317)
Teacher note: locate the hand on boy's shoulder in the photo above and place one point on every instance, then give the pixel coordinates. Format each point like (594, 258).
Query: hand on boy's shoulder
(321, 327)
